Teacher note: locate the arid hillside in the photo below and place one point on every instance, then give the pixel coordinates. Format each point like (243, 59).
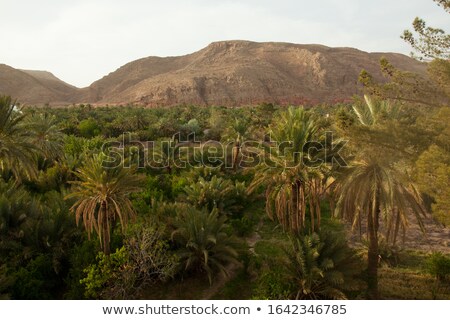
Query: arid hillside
(35, 87)
(224, 73)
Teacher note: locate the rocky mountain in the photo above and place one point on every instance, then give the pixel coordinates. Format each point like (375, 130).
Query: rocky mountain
(224, 73)
(35, 87)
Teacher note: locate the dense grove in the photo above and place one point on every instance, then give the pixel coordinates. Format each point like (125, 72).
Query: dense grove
(194, 202)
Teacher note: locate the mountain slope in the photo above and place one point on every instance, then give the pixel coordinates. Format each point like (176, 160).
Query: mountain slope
(244, 72)
(34, 87)
(224, 73)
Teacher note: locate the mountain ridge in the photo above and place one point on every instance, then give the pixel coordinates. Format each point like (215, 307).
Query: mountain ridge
(230, 73)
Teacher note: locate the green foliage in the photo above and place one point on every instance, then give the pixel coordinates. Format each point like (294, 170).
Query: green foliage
(243, 226)
(43, 254)
(272, 285)
(321, 266)
(388, 253)
(36, 280)
(291, 177)
(98, 275)
(438, 265)
(17, 153)
(192, 127)
(205, 247)
(220, 193)
(6, 282)
(143, 260)
(88, 128)
(344, 119)
(76, 146)
(433, 178)
(46, 135)
(102, 197)
(81, 256)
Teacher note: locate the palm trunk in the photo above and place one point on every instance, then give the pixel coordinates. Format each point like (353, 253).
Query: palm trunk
(397, 226)
(302, 205)
(294, 218)
(106, 230)
(237, 149)
(372, 265)
(311, 212)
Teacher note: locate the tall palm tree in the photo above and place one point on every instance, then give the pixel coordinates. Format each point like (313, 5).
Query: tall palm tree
(103, 196)
(17, 153)
(374, 191)
(376, 187)
(290, 178)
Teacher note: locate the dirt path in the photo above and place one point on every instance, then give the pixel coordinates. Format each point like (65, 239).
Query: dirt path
(435, 238)
(220, 282)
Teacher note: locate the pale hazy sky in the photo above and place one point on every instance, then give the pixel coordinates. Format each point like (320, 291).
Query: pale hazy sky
(81, 41)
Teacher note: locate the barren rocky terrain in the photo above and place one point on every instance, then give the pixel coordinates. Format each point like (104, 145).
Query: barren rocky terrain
(224, 73)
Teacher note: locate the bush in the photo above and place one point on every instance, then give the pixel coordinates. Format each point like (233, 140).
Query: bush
(438, 265)
(37, 280)
(88, 128)
(272, 285)
(143, 260)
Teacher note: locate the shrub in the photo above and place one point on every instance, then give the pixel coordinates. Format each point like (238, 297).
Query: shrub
(389, 255)
(272, 285)
(88, 128)
(144, 259)
(438, 265)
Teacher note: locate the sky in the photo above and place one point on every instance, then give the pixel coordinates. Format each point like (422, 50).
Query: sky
(81, 41)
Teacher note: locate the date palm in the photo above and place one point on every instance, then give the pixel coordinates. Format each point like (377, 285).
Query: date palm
(290, 177)
(102, 197)
(321, 266)
(237, 133)
(205, 245)
(374, 191)
(17, 153)
(373, 111)
(46, 135)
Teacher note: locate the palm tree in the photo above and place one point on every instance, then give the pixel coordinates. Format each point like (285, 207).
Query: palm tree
(167, 154)
(46, 135)
(17, 153)
(238, 133)
(205, 245)
(371, 190)
(103, 196)
(373, 111)
(321, 266)
(216, 193)
(291, 179)
(376, 188)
